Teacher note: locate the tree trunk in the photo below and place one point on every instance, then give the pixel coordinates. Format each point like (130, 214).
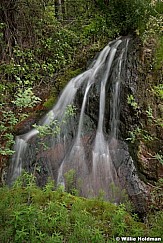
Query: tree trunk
(58, 9)
(8, 11)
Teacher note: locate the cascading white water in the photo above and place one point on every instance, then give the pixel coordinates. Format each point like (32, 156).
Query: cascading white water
(103, 171)
(115, 100)
(73, 147)
(77, 150)
(16, 163)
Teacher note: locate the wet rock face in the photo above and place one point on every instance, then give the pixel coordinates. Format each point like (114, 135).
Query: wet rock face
(45, 163)
(26, 125)
(128, 175)
(128, 116)
(147, 163)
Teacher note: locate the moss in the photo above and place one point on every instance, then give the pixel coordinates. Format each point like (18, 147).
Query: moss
(159, 53)
(61, 81)
(49, 102)
(72, 73)
(67, 75)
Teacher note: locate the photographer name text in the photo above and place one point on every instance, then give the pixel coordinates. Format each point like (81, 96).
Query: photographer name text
(138, 239)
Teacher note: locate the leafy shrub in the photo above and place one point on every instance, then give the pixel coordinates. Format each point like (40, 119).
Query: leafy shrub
(26, 98)
(8, 121)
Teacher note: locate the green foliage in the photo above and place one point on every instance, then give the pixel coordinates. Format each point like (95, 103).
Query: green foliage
(50, 102)
(52, 129)
(157, 196)
(158, 90)
(156, 219)
(8, 121)
(154, 121)
(58, 48)
(131, 101)
(70, 179)
(149, 113)
(153, 30)
(153, 27)
(159, 53)
(159, 157)
(23, 68)
(100, 26)
(26, 98)
(28, 213)
(139, 134)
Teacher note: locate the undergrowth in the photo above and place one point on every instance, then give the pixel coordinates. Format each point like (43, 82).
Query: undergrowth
(31, 214)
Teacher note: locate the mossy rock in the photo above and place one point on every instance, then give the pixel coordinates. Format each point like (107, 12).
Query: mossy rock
(159, 53)
(49, 103)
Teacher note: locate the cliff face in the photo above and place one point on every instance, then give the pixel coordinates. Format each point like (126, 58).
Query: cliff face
(147, 135)
(142, 117)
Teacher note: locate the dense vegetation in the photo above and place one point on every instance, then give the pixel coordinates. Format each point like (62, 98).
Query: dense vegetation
(31, 214)
(42, 45)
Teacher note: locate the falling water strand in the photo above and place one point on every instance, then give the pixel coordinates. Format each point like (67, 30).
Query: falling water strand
(82, 115)
(115, 101)
(77, 147)
(103, 85)
(60, 179)
(95, 69)
(16, 163)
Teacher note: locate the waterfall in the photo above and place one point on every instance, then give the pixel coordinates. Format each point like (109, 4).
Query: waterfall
(82, 144)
